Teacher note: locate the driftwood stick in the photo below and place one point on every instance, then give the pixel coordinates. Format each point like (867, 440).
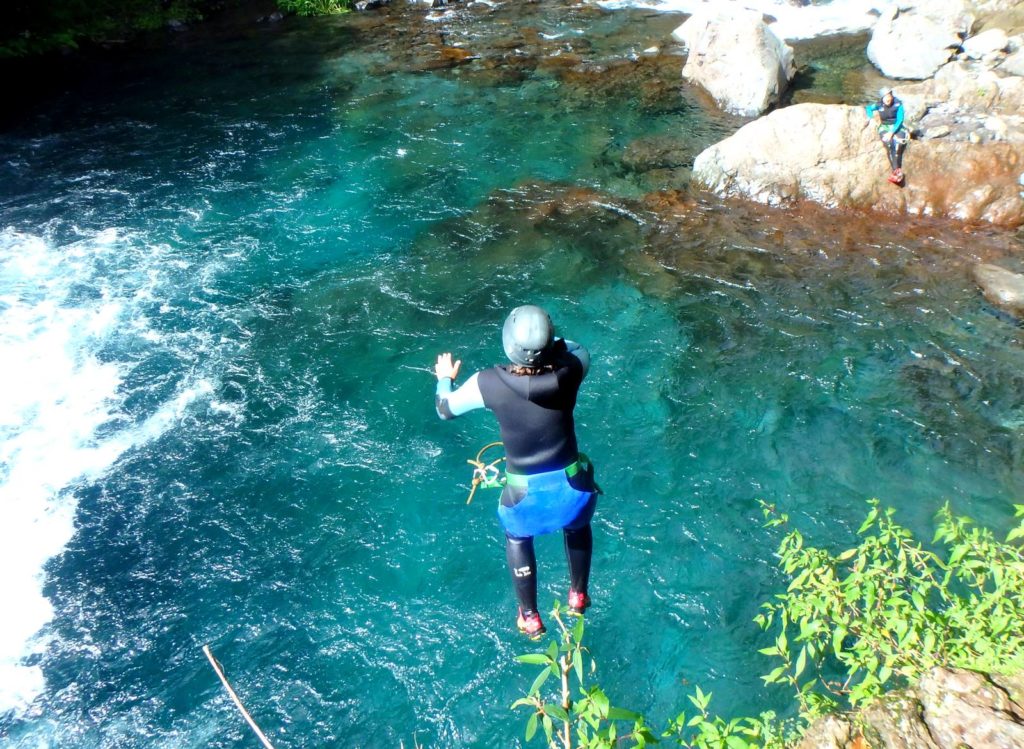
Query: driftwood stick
(234, 698)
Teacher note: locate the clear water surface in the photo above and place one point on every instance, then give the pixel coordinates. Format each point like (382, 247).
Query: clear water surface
(226, 273)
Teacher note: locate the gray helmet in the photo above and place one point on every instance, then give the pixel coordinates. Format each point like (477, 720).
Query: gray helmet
(526, 335)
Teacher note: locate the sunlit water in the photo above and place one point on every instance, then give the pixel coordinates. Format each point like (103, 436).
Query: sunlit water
(225, 277)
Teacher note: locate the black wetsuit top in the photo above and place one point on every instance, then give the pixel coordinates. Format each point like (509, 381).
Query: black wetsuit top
(535, 412)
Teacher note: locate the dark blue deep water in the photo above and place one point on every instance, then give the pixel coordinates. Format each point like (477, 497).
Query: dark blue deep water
(225, 272)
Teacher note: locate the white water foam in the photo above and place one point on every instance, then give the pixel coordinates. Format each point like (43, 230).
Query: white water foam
(57, 394)
(791, 22)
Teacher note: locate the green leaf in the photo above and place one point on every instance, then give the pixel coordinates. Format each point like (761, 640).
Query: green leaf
(619, 713)
(801, 663)
(534, 659)
(869, 521)
(838, 635)
(556, 711)
(782, 643)
(735, 742)
(531, 726)
(577, 664)
(539, 681)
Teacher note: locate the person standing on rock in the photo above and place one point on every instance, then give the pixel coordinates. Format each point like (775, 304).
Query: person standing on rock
(549, 483)
(888, 113)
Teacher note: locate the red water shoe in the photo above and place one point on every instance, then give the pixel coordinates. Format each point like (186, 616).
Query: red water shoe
(578, 602)
(530, 624)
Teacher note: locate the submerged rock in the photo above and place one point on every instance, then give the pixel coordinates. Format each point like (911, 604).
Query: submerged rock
(831, 155)
(737, 59)
(1001, 287)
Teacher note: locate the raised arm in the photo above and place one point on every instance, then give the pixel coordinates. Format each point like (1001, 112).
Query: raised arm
(449, 403)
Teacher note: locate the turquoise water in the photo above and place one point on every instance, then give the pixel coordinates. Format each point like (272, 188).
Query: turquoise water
(225, 274)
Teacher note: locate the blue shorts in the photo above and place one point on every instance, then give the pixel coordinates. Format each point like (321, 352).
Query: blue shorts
(549, 502)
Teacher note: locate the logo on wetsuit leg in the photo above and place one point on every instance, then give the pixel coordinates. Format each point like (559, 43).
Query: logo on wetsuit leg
(521, 571)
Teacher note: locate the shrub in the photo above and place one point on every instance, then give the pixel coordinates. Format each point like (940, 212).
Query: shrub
(849, 627)
(314, 7)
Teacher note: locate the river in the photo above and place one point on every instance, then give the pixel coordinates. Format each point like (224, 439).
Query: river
(226, 269)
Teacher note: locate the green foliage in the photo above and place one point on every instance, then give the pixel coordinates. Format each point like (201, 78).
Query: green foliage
(38, 28)
(882, 613)
(315, 7)
(849, 627)
(572, 712)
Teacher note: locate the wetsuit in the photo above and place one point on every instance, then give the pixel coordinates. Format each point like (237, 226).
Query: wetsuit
(548, 486)
(894, 136)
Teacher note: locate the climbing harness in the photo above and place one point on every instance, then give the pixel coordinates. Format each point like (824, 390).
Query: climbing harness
(487, 475)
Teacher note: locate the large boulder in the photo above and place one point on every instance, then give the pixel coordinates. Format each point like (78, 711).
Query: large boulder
(736, 58)
(832, 156)
(914, 39)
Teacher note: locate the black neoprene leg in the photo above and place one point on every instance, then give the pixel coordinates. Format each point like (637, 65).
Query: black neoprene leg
(522, 563)
(890, 152)
(579, 548)
(897, 154)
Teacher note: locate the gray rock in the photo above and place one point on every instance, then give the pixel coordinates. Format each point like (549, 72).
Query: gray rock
(913, 40)
(962, 708)
(1014, 64)
(895, 722)
(829, 732)
(985, 43)
(737, 59)
(940, 131)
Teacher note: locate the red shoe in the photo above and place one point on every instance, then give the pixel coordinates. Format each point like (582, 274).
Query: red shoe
(578, 602)
(530, 624)
(896, 177)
